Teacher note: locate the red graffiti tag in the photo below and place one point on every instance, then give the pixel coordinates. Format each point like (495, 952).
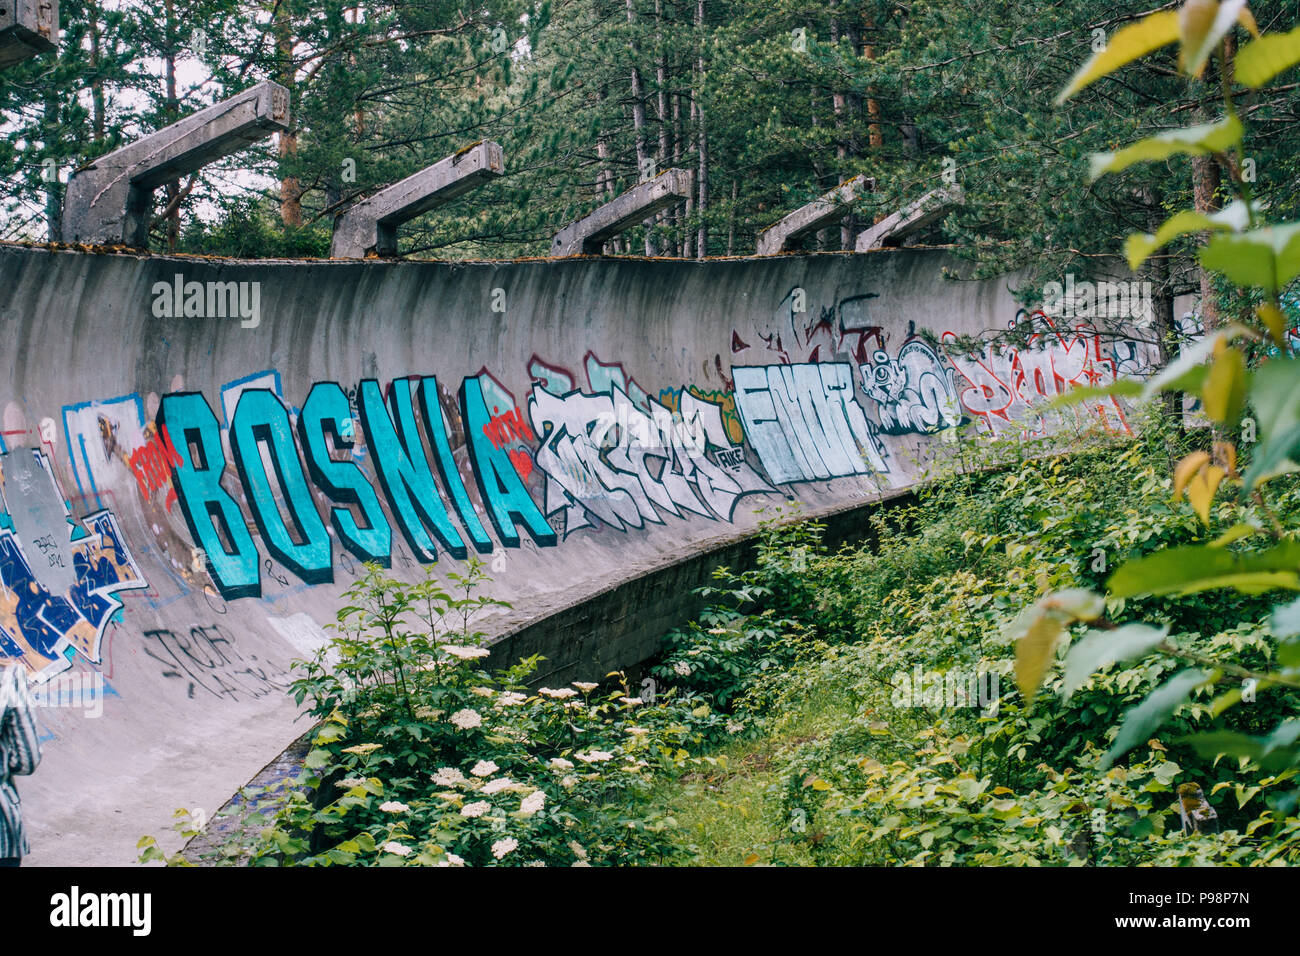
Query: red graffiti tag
(522, 461)
(152, 464)
(508, 427)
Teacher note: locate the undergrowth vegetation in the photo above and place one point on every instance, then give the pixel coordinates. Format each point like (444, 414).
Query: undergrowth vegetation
(890, 727)
(857, 707)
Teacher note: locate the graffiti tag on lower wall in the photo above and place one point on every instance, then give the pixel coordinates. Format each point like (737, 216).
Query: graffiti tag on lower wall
(204, 660)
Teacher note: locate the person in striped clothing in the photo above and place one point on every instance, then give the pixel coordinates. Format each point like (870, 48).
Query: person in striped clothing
(20, 752)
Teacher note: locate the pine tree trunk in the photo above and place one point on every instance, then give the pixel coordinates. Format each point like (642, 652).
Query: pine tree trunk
(661, 80)
(638, 117)
(687, 238)
(839, 105)
(172, 190)
(96, 84)
(290, 193)
(702, 186)
(731, 219)
(53, 188)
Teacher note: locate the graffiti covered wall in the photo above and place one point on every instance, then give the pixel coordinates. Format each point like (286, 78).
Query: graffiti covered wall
(185, 499)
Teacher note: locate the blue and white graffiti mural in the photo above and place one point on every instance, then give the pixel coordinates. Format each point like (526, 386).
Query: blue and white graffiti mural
(60, 577)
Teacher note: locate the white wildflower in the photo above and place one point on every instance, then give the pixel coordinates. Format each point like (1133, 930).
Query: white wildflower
(511, 698)
(682, 669)
(484, 768)
(595, 756)
(532, 803)
(465, 653)
(476, 809)
(497, 785)
(448, 777)
(568, 782)
(502, 847)
(559, 763)
(631, 701)
(585, 686)
(394, 806)
(557, 694)
(466, 719)
(396, 849)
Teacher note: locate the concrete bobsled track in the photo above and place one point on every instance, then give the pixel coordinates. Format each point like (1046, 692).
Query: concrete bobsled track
(198, 454)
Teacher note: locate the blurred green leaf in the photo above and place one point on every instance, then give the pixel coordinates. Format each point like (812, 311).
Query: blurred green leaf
(1141, 721)
(1195, 568)
(1261, 60)
(1197, 140)
(1233, 217)
(1099, 649)
(1266, 258)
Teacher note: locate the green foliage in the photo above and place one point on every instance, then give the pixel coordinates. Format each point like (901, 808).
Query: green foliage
(860, 769)
(421, 757)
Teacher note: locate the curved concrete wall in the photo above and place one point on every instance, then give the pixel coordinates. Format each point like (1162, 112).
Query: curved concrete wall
(158, 596)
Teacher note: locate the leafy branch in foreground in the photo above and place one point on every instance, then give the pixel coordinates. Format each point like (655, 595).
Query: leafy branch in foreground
(1248, 365)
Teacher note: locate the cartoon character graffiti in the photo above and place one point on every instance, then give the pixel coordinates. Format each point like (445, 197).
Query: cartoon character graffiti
(914, 391)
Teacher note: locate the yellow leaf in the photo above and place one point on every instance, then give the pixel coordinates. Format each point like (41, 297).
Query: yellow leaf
(1225, 453)
(998, 791)
(1259, 62)
(820, 784)
(1274, 321)
(1124, 46)
(751, 859)
(1195, 20)
(1034, 652)
(1157, 745)
(1203, 23)
(1247, 20)
(1201, 489)
(1188, 467)
(1224, 391)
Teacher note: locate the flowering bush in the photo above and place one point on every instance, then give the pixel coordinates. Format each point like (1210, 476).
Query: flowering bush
(424, 758)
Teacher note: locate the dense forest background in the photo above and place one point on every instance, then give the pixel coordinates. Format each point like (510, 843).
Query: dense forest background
(768, 104)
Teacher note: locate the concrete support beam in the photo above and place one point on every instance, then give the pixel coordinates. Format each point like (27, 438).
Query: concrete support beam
(826, 210)
(371, 225)
(914, 217)
(109, 201)
(27, 28)
(588, 235)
